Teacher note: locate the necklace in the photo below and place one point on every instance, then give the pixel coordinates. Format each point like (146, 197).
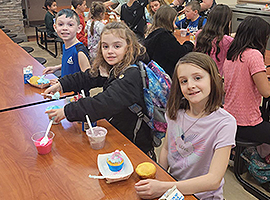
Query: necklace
(184, 132)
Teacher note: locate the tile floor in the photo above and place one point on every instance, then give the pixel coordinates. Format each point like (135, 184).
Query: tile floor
(232, 189)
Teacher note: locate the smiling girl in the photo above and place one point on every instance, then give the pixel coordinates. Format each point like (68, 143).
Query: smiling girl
(200, 134)
(118, 49)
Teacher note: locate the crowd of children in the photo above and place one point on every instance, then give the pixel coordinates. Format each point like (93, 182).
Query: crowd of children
(200, 133)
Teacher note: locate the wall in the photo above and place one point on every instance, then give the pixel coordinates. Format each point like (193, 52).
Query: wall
(11, 17)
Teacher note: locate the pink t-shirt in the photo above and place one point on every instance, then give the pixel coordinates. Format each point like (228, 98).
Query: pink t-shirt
(224, 46)
(242, 98)
(191, 157)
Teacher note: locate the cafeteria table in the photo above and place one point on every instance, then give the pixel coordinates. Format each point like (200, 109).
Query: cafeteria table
(63, 173)
(14, 93)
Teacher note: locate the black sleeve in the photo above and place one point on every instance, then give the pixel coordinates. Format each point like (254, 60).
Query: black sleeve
(121, 93)
(82, 48)
(81, 80)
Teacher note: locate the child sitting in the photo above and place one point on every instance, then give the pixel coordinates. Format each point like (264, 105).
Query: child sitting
(117, 50)
(193, 21)
(75, 54)
(152, 8)
(94, 27)
(50, 6)
(200, 133)
(214, 38)
(80, 6)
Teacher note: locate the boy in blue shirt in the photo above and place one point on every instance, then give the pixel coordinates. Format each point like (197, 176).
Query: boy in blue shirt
(75, 54)
(193, 21)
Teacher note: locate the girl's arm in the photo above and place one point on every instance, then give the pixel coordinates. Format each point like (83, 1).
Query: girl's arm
(163, 157)
(149, 189)
(263, 85)
(83, 61)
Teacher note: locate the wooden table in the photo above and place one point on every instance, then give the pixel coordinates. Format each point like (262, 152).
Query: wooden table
(63, 173)
(14, 93)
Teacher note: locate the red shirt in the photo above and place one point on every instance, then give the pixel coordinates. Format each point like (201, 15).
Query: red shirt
(81, 36)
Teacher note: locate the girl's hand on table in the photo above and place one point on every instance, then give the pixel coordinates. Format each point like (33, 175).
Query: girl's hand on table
(51, 90)
(150, 188)
(58, 114)
(54, 81)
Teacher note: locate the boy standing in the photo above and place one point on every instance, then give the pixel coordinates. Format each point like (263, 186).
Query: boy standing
(193, 21)
(80, 6)
(75, 54)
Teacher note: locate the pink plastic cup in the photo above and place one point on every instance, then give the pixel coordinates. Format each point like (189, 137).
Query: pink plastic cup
(43, 149)
(97, 139)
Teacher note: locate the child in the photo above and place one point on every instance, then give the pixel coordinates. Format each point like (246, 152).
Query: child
(94, 27)
(80, 6)
(161, 45)
(193, 21)
(214, 38)
(245, 79)
(117, 50)
(50, 6)
(133, 14)
(200, 134)
(206, 5)
(75, 55)
(152, 8)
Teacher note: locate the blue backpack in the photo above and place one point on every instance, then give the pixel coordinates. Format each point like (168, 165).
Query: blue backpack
(156, 88)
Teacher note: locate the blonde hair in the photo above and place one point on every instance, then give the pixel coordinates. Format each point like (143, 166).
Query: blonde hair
(176, 99)
(161, 2)
(134, 49)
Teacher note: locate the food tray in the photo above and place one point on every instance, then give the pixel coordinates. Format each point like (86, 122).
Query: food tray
(41, 86)
(123, 174)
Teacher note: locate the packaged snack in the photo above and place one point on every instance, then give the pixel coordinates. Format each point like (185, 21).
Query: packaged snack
(27, 73)
(172, 194)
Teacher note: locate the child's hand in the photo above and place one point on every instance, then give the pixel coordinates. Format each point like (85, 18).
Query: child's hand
(54, 81)
(58, 114)
(51, 90)
(49, 70)
(150, 188)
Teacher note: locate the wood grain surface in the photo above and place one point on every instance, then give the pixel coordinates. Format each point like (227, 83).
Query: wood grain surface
(63, 173)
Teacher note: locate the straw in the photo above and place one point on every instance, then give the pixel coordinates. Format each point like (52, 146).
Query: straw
(89, 123)
(83, 94)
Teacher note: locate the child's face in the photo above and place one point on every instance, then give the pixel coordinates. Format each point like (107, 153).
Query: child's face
(67, 28)
(195, 84)
(154, 5)
(190, 14)
(82, 7)
(113, 48)
(53, 7)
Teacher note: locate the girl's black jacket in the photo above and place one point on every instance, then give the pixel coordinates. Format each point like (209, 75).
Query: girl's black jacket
(112, 104)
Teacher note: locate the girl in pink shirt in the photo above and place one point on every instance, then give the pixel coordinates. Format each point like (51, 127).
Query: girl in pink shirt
(200, 134)
(245, 79)
(214, 38)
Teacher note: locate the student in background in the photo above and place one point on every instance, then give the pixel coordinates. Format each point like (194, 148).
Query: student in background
(161, 45)
(214, 39)
(94, 27)
(75, 55)
(132, 13)
(200, 133)
(50, 6)
(118, 49)
(152, 8)
(193, 21)
(245, 79)
(206, 5)
(80, 6)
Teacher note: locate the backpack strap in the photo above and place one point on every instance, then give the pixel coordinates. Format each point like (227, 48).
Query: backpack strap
(200, 23)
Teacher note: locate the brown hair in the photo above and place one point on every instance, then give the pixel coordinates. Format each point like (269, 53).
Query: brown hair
(76, 3)
(164, 18)
(161, 2)
(134, 49)
(96, 9)
(176, 99)
(195, 5)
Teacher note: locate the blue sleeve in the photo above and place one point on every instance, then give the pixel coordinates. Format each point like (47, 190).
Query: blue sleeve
(204, 21)
(178, 23)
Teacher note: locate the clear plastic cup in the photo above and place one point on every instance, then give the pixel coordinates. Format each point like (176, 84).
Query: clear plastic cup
(183, 32)
(43, 149)
(97, 139)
